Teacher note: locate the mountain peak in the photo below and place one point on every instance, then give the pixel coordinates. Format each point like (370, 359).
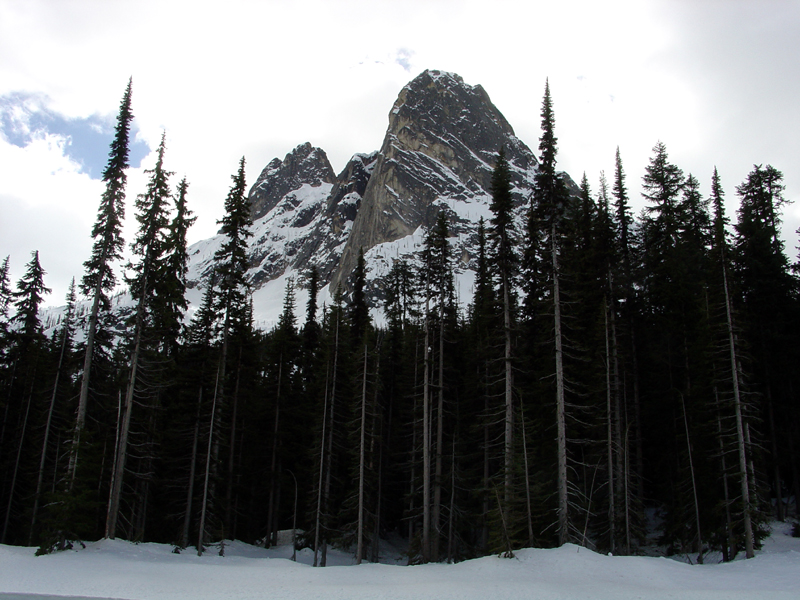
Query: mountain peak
(438, 153)
(305, 164)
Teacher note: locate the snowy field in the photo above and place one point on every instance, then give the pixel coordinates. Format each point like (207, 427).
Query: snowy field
(117, 569)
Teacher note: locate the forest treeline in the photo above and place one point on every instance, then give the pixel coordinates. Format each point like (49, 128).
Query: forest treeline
(611, 373)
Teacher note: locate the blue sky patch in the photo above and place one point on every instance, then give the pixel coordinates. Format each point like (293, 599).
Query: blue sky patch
(25, 116)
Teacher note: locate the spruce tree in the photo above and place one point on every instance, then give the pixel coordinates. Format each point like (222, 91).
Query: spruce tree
(27, 354)
(151, 214)
(172, 303)
(63, 345)
(550, 201)
(729, 381)
(506, 263)
(99, 278)
(5, 301)
(230, 264)
(769, 292)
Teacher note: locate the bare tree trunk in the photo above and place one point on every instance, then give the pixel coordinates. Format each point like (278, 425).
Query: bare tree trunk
(50, 410)
(273, 471)
(486, 442)
(329, 457)
(207, 477)
(529, 512)
(361, 461)
(612, 517)
(23, 431)
(318, 518)
(563, 517)
(450, 528)
(232, 454)
(426, 439)
(694, 485)
(413, 478)
(509, 398)
(728, 550)
(437, 489)
(122, 448)
(83, 398)
(776, 468)
(740, 425)
(187, 518)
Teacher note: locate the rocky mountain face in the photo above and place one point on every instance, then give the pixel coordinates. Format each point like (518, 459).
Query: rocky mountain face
(438, 154)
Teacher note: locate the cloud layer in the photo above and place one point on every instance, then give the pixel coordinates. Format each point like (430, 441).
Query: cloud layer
(717, 82)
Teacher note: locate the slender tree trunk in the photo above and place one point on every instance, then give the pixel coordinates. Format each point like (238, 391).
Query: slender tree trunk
(414, 428)
(318, 519)
(229, 501)
(486, 442)
(426, 439)
(329, 457)
(187, 518)
(776, 468)
(207, 476)
(563, 517)
(740, 425)
(437, 489)
(13, 486)
(694, 485)
(122, 448)
(612, 518)
(728, 550)
(48, 424)
(451, 537)
(273, 469)
(528, 511)
(509, 399)
(361, 461)
(83, 398)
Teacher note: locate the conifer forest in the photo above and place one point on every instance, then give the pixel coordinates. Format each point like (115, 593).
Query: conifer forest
(612, 373)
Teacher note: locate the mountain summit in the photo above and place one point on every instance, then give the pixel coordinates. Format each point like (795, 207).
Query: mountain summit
(438, 154)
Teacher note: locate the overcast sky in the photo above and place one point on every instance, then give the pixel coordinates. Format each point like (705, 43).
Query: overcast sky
(717, 81)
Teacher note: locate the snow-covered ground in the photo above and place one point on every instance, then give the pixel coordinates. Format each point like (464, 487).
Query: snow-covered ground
(117, 569)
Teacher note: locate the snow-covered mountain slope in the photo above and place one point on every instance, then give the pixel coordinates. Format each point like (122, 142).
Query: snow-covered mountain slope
(438, 154)
(118, 569)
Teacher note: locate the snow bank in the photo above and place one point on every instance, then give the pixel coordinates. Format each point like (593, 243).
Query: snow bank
(117, 569)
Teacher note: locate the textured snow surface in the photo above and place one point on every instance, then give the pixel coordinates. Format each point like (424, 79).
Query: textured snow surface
(117, 569)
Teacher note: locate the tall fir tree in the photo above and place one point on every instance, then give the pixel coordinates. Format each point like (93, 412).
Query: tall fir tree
(27, 355)
(99, 278)
(506, 264)
(550, 203)
(151, 214)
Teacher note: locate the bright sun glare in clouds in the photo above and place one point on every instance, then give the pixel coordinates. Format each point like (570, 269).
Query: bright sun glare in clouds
(259, 78)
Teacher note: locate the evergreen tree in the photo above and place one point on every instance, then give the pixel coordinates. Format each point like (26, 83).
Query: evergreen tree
(171, 296)
(99, 278)
(359, 311)
(230, 264)
(505, 262)
(149, 247)
(27, 354)
(62, 388)
(5, 301)
(769, 292)
(729, 387)
(29, 296)
(550, 202)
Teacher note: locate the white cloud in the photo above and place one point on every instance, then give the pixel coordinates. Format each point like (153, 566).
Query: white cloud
(258, 78)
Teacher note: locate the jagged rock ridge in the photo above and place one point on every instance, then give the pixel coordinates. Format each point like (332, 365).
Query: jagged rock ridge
(438, 154)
